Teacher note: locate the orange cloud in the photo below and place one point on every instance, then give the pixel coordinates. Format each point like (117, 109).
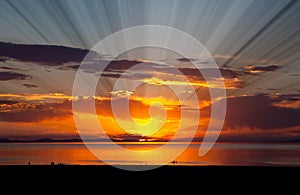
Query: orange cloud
(295, 104)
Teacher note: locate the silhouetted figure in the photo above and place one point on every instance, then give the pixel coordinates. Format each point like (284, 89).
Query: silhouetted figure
(52, 163)
(174, 162)
(28, 163)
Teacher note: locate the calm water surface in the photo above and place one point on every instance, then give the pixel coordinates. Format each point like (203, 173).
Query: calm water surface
(254, 154)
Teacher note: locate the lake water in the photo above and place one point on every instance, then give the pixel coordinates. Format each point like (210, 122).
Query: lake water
(253, 154)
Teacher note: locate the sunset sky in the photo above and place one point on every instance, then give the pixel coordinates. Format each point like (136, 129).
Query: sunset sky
(256, 45)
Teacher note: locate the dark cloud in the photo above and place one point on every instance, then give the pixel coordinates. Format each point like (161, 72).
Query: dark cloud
(66, 58)
(58, 55)
(121, 65)
(9, 102)
(133, 76)
(111, 75)
(118, 66)
(75, 67)
(4, 76)
(8, 68)
(29, 85)
(258, 112)
(115, 69)
(266, 68)
(187, 59)
(131, 137)
(209, 72)
(47, 54)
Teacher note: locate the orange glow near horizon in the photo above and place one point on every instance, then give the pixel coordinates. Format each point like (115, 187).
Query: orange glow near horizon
(58, 120)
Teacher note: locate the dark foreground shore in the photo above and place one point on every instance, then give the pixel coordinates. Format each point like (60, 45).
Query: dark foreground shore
(173, 174)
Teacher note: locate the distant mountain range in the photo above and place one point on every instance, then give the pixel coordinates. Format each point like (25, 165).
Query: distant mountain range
(5, 140)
